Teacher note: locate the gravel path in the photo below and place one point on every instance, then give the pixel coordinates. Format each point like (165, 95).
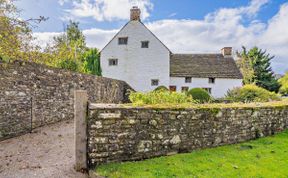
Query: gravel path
(47, 152)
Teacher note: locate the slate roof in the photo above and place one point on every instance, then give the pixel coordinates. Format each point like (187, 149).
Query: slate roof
(203, 66)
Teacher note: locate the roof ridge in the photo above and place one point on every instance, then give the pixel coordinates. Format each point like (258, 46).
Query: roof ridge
(196, 54)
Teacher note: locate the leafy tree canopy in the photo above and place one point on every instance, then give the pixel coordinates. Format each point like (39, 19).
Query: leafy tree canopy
(284, 84)
(255, 65)
(16, 34)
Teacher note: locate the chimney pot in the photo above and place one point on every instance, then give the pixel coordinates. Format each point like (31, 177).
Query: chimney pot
(135, 13)
(226, 51)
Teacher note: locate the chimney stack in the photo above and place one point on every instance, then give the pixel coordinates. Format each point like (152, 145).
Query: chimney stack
(226, 51)
(135, 13)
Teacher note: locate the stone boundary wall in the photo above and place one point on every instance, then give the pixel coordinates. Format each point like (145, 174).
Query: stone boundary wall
(117, 133)
(51, 91)
(10, 124)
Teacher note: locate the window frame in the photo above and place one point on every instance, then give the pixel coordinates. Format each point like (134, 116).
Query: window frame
(145, 42)
(209, 90)
(211, 80)
(173, 88)
(113, 62)
(188, 79)
(184, 89)
(154, 80)
(122, 38)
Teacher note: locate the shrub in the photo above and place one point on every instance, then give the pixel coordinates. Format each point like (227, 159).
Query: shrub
(68, 64)
(251, 93)
(199, 95)
(161, 88)
(156, 97)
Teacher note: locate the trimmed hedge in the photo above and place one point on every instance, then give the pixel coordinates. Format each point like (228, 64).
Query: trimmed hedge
(199, 95)
(161, 88)
(159, 97)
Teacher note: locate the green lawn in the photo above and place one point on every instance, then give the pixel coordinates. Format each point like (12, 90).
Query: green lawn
(265, 157)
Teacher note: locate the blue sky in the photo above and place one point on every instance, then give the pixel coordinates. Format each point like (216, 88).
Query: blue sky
(183, 25)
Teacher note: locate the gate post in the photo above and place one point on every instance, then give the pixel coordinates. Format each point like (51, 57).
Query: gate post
(80, 114)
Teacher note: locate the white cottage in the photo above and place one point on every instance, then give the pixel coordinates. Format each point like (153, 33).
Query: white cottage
(137, 56)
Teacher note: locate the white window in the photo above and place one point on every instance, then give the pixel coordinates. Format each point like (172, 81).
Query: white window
(154, 82)
(113, 62)
(144, 44)
(123, 40)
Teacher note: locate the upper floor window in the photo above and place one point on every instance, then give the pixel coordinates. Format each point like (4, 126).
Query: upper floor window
(113, 62)
(188, 79)
(211, 80)
(144, 44)
(123, 40)
(154, 82)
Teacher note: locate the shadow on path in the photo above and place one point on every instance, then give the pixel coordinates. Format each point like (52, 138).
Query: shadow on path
(47, 152)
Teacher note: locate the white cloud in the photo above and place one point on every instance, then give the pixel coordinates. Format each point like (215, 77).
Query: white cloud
(224, 27)
(107, 10)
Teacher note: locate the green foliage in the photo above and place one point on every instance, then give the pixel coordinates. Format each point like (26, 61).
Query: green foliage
(161, 88)
(251, 93)
(16, 34)
(159, 97)
(199, 95)
(91, 62)
(70, 49)
(69, 65)
(265, 157)
(256, 68)
(284, 84)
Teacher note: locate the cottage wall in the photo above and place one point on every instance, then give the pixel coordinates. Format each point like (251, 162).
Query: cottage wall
(218, 89)
(137, 66)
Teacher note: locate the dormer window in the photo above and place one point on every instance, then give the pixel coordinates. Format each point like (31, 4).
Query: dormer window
(123, 40)
(113, 62)
(144, 44)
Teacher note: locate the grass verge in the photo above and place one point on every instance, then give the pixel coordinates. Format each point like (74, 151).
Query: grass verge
(265, 157)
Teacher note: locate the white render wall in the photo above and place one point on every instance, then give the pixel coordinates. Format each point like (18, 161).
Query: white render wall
(136, 65)
(219, 88)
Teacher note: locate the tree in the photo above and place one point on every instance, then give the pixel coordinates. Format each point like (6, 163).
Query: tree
(245, 65)
(255, 65)
(10, 31)
(70, 51)
(69, 48)
(284, 84)
(16, 34)
(91, 63)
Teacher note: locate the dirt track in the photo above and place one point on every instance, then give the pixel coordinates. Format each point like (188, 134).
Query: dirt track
(47, 152)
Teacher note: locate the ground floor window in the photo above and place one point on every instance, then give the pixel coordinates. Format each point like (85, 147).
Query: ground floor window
(172, 88)
(154, 82)
(209, 90)
(184, 89)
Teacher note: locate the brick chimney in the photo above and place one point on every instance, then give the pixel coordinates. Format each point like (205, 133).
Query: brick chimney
(226, 51)
(135, 13)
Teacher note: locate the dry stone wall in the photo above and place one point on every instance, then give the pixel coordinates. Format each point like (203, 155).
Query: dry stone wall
(118, 134)
(51, 91)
